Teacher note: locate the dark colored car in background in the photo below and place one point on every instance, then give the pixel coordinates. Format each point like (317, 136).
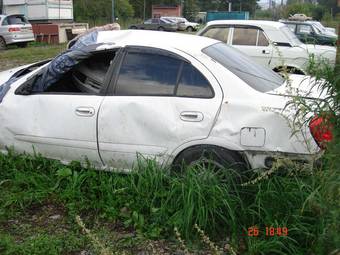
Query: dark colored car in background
(156, 24)
(308, 33)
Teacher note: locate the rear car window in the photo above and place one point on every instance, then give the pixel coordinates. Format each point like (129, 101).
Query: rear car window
(193, 83)
(256, 76)
(15, 20)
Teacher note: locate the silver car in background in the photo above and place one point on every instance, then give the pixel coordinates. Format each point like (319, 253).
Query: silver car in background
(15, 29)
(183, 24)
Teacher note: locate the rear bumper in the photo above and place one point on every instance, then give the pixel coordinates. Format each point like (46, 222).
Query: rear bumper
(18, 38)
(260, 160)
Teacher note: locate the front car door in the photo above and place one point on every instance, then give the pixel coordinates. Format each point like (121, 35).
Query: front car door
(158, 101)
(306, 33)
(60, 122)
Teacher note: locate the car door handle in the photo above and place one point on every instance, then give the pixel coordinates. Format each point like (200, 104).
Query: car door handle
(265, 52)
(85, 111)
(192, 116)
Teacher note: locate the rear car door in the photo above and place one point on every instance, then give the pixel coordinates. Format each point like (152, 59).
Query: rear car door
(158, 101)
(253, 42)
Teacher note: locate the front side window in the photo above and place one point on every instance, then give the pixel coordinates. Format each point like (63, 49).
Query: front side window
(304, 29)
(145, 74)
(217, 33)
(245, 36)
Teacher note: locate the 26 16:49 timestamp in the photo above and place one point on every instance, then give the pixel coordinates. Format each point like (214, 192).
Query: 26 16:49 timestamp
(268, 231)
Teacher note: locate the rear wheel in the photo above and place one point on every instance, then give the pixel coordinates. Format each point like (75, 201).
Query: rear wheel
(2, 44)
(222, 162)
(161, 29)
(190, 29)
(133, 27)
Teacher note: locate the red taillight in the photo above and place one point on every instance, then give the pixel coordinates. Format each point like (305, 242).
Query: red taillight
(321, 129)
(14, 29)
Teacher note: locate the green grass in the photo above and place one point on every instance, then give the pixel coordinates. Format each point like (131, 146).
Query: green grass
(150, 202)
(14, 56)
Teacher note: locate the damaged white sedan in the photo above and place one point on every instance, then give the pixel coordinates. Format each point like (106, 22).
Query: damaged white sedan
(171, 97)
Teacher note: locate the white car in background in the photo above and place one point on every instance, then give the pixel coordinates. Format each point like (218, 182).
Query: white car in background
(183, 23)
(168, 96)
(15, 29)
(269, 43)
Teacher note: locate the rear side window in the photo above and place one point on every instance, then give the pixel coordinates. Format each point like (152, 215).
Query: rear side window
(218, 33)
(152, 74)
(244, 36)
(145, 74)
(193, 84)
(262, 40)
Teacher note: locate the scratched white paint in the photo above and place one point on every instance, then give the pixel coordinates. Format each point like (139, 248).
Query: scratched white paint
(153, 125)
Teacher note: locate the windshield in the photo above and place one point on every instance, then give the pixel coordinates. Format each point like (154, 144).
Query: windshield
(319, 26)
(256, 76)
(290, 35)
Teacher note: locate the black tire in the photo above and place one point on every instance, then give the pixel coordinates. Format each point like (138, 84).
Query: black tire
(133, 27)
(22, 45)
(288, 70)
(190, 29)
(161, 29)
(2, 44)
(220, 160)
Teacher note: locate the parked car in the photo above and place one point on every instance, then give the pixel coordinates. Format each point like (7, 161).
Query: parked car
(308, 32)
(15, 29)
(269, 43)
(159, 24)
(300, 16)
(324, 30)
(158, 94)
(183, 23)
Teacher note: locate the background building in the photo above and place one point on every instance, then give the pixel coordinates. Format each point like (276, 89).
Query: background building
(166, 10)
(40, 10)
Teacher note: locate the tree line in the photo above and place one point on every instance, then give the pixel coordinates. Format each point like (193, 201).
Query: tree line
(89, 10)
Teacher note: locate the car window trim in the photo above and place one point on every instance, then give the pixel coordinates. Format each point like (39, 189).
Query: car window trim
(111, 91)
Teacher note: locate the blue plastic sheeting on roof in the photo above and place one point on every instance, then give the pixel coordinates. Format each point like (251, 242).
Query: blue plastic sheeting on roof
(60, 65)
(63, 63)
(4, 88)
